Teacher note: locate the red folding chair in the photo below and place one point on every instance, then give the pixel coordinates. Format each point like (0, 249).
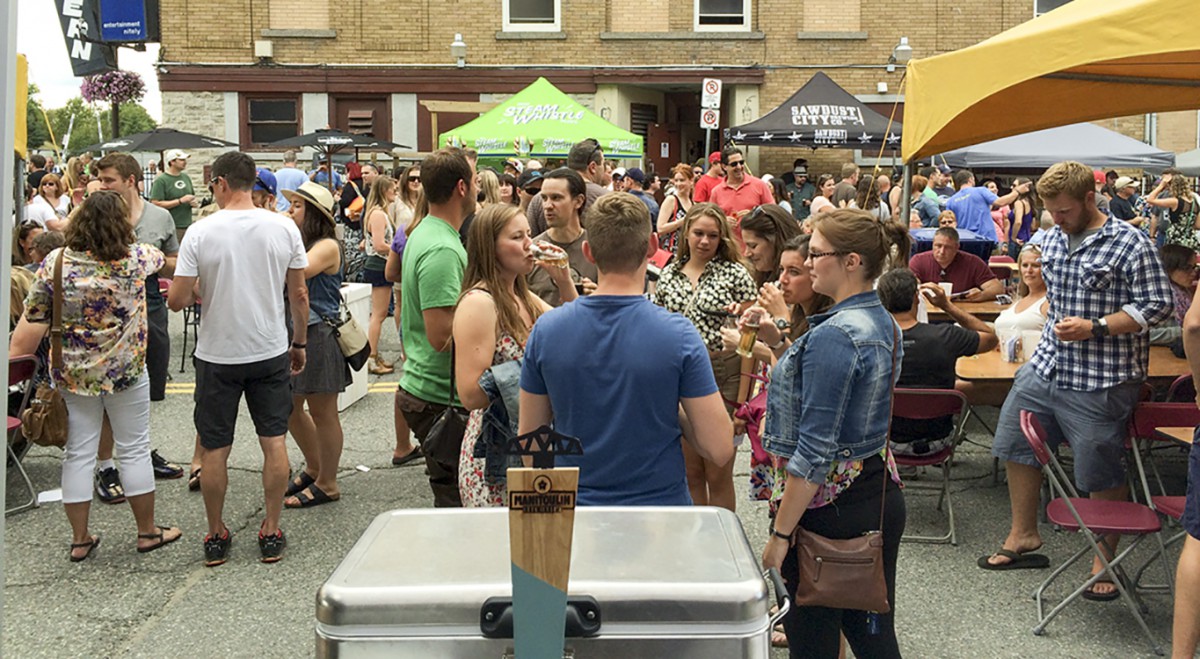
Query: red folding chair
(1095, 518)
(1002, 272)
(1183, 390)
(923, 405)
(1146, 420)
(21, 370)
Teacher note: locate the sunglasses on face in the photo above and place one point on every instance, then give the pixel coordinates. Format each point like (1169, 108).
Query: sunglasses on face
(414, 179)
(738, 163)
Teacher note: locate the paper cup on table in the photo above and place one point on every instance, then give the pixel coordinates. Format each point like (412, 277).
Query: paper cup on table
(948, 287)
(1029, 342)
(922, 308)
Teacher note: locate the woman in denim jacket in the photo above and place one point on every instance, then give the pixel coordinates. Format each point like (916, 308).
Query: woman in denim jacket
(833, 430)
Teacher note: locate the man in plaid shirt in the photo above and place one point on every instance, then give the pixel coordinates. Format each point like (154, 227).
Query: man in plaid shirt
(1106, 288)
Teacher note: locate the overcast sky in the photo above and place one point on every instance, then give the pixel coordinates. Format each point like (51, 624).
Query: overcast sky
(40, 39)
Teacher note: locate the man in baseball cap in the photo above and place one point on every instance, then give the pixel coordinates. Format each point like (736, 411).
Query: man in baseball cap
(265, 189)
(635, 180)
(711, 179)
(1124, 197)
(173, 191)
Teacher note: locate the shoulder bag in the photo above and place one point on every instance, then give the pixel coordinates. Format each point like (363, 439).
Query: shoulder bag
(44, 422)
(846, 574)
(355, 209)
(351, 338)
(444, 440)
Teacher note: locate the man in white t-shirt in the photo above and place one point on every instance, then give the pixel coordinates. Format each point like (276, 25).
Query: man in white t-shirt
(243, 256)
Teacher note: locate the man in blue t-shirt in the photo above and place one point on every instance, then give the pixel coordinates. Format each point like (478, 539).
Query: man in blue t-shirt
(973, 206)
(613, 370)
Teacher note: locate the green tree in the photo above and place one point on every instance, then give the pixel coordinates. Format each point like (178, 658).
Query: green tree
(35, 122)
(134, 119)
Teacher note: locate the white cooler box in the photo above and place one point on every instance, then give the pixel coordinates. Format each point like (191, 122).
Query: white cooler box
(650, 582)
(358, 301)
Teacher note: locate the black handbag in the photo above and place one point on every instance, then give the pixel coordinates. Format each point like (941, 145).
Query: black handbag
(443, 442)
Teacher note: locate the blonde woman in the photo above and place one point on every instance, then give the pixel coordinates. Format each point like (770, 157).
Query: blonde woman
(491, 324)
(50, 204)
(377, 243)
(402, 213)
(489, 188)
(1181, 204)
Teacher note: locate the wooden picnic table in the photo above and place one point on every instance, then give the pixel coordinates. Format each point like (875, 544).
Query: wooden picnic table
(989, 367)
(985, 311)
(1182, 435)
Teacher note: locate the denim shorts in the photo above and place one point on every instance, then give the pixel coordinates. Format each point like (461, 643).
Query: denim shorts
(1191, 510)
(1094, 423)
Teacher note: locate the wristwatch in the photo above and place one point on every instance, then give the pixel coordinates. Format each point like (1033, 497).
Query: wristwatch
(783, 324)
(1099, 328)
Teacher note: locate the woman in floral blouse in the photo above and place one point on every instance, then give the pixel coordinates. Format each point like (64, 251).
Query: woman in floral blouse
(104, 357)
(707, 277)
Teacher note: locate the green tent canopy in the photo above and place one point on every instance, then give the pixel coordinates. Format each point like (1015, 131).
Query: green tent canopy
(540, 121)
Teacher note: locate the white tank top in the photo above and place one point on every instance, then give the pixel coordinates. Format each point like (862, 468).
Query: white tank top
(1029, 319)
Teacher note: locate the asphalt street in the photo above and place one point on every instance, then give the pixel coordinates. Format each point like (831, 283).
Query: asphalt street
(166, 603)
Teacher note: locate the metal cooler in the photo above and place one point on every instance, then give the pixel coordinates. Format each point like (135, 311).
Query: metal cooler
(645, 582)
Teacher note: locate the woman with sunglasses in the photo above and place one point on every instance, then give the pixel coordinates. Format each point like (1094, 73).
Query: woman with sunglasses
(833, 431)
(707, 277)
(50, 204)
(401, 212)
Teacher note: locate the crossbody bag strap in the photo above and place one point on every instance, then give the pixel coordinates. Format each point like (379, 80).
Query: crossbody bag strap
(887, 440)
(450, 398)
(56, 327)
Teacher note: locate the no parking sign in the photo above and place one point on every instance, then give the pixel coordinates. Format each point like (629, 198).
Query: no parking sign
(710, 94)
(710, 119)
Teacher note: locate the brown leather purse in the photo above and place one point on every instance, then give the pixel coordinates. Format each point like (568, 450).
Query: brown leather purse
(44, 422)
(846, 574)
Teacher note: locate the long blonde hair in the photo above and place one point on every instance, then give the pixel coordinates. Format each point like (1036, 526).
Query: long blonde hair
(489, 186)
(483, 271)
(377, 197)
(727, 250)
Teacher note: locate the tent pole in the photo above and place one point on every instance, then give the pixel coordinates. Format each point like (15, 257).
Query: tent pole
(906, 194)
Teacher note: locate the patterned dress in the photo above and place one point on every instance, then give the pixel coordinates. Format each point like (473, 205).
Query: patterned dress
(472, 486)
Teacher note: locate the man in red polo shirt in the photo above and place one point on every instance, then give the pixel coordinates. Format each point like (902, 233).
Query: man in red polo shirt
(711, 179)
(968, 273)
(741, 192)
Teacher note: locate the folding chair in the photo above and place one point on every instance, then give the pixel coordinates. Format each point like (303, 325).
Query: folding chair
(191, 319)
(1096, 519)
(1147, 419)
(925, 404)
(1001, 271)
(20, 373)
(1183, 390)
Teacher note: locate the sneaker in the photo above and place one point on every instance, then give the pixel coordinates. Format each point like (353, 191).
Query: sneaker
(164, 469)
(108, 486)
(216, 548)
(271, 546)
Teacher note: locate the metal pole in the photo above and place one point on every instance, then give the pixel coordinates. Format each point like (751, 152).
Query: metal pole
(115, 115)
(8, 176)
(906, 194)
(707, 147)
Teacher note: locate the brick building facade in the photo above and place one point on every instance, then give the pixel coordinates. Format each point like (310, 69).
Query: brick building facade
(367, 65)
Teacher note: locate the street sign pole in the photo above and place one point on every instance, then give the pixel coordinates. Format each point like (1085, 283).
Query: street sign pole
(710, 112)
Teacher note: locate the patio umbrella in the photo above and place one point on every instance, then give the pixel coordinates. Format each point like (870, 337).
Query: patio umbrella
(157, 140)
(328, 141)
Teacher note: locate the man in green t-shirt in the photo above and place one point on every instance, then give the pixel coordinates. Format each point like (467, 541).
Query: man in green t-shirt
(173, 191)
(431, 280)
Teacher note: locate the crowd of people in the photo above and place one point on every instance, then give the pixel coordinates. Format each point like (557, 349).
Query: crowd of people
(508, 283)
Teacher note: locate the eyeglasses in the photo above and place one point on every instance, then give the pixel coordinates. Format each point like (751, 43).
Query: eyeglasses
(533, 191)
(739, 163)
(213, 183)
(813, 256)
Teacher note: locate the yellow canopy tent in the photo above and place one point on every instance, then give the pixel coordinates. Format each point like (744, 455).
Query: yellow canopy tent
(1087, 60)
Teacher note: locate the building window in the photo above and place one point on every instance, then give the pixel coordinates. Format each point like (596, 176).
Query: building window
(269, 119)
(722, 15)
(532, 15)
(1042, 6)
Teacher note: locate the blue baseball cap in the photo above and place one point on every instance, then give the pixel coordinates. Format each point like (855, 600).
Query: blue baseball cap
(264, 179)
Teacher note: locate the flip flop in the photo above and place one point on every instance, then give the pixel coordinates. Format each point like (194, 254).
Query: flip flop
(312, 496)
(298, 484)
(1092, 596)
(1027, 561)
(162, 541)
(194, 480)
(412, 455)
(779, 638)
(91, 546)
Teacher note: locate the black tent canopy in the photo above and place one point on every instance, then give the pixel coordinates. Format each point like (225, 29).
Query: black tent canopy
(820, 114)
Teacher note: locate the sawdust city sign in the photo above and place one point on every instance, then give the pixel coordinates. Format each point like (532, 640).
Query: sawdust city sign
(827, 115)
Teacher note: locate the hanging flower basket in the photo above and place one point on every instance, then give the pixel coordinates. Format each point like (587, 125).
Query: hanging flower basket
(113, 87)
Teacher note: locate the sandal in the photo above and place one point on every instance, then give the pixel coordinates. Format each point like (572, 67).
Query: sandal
(91, 546)
(162, 540)
(299, 483)
(1092, 596)
(194, 480)
(312, 496)
(414, 454)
